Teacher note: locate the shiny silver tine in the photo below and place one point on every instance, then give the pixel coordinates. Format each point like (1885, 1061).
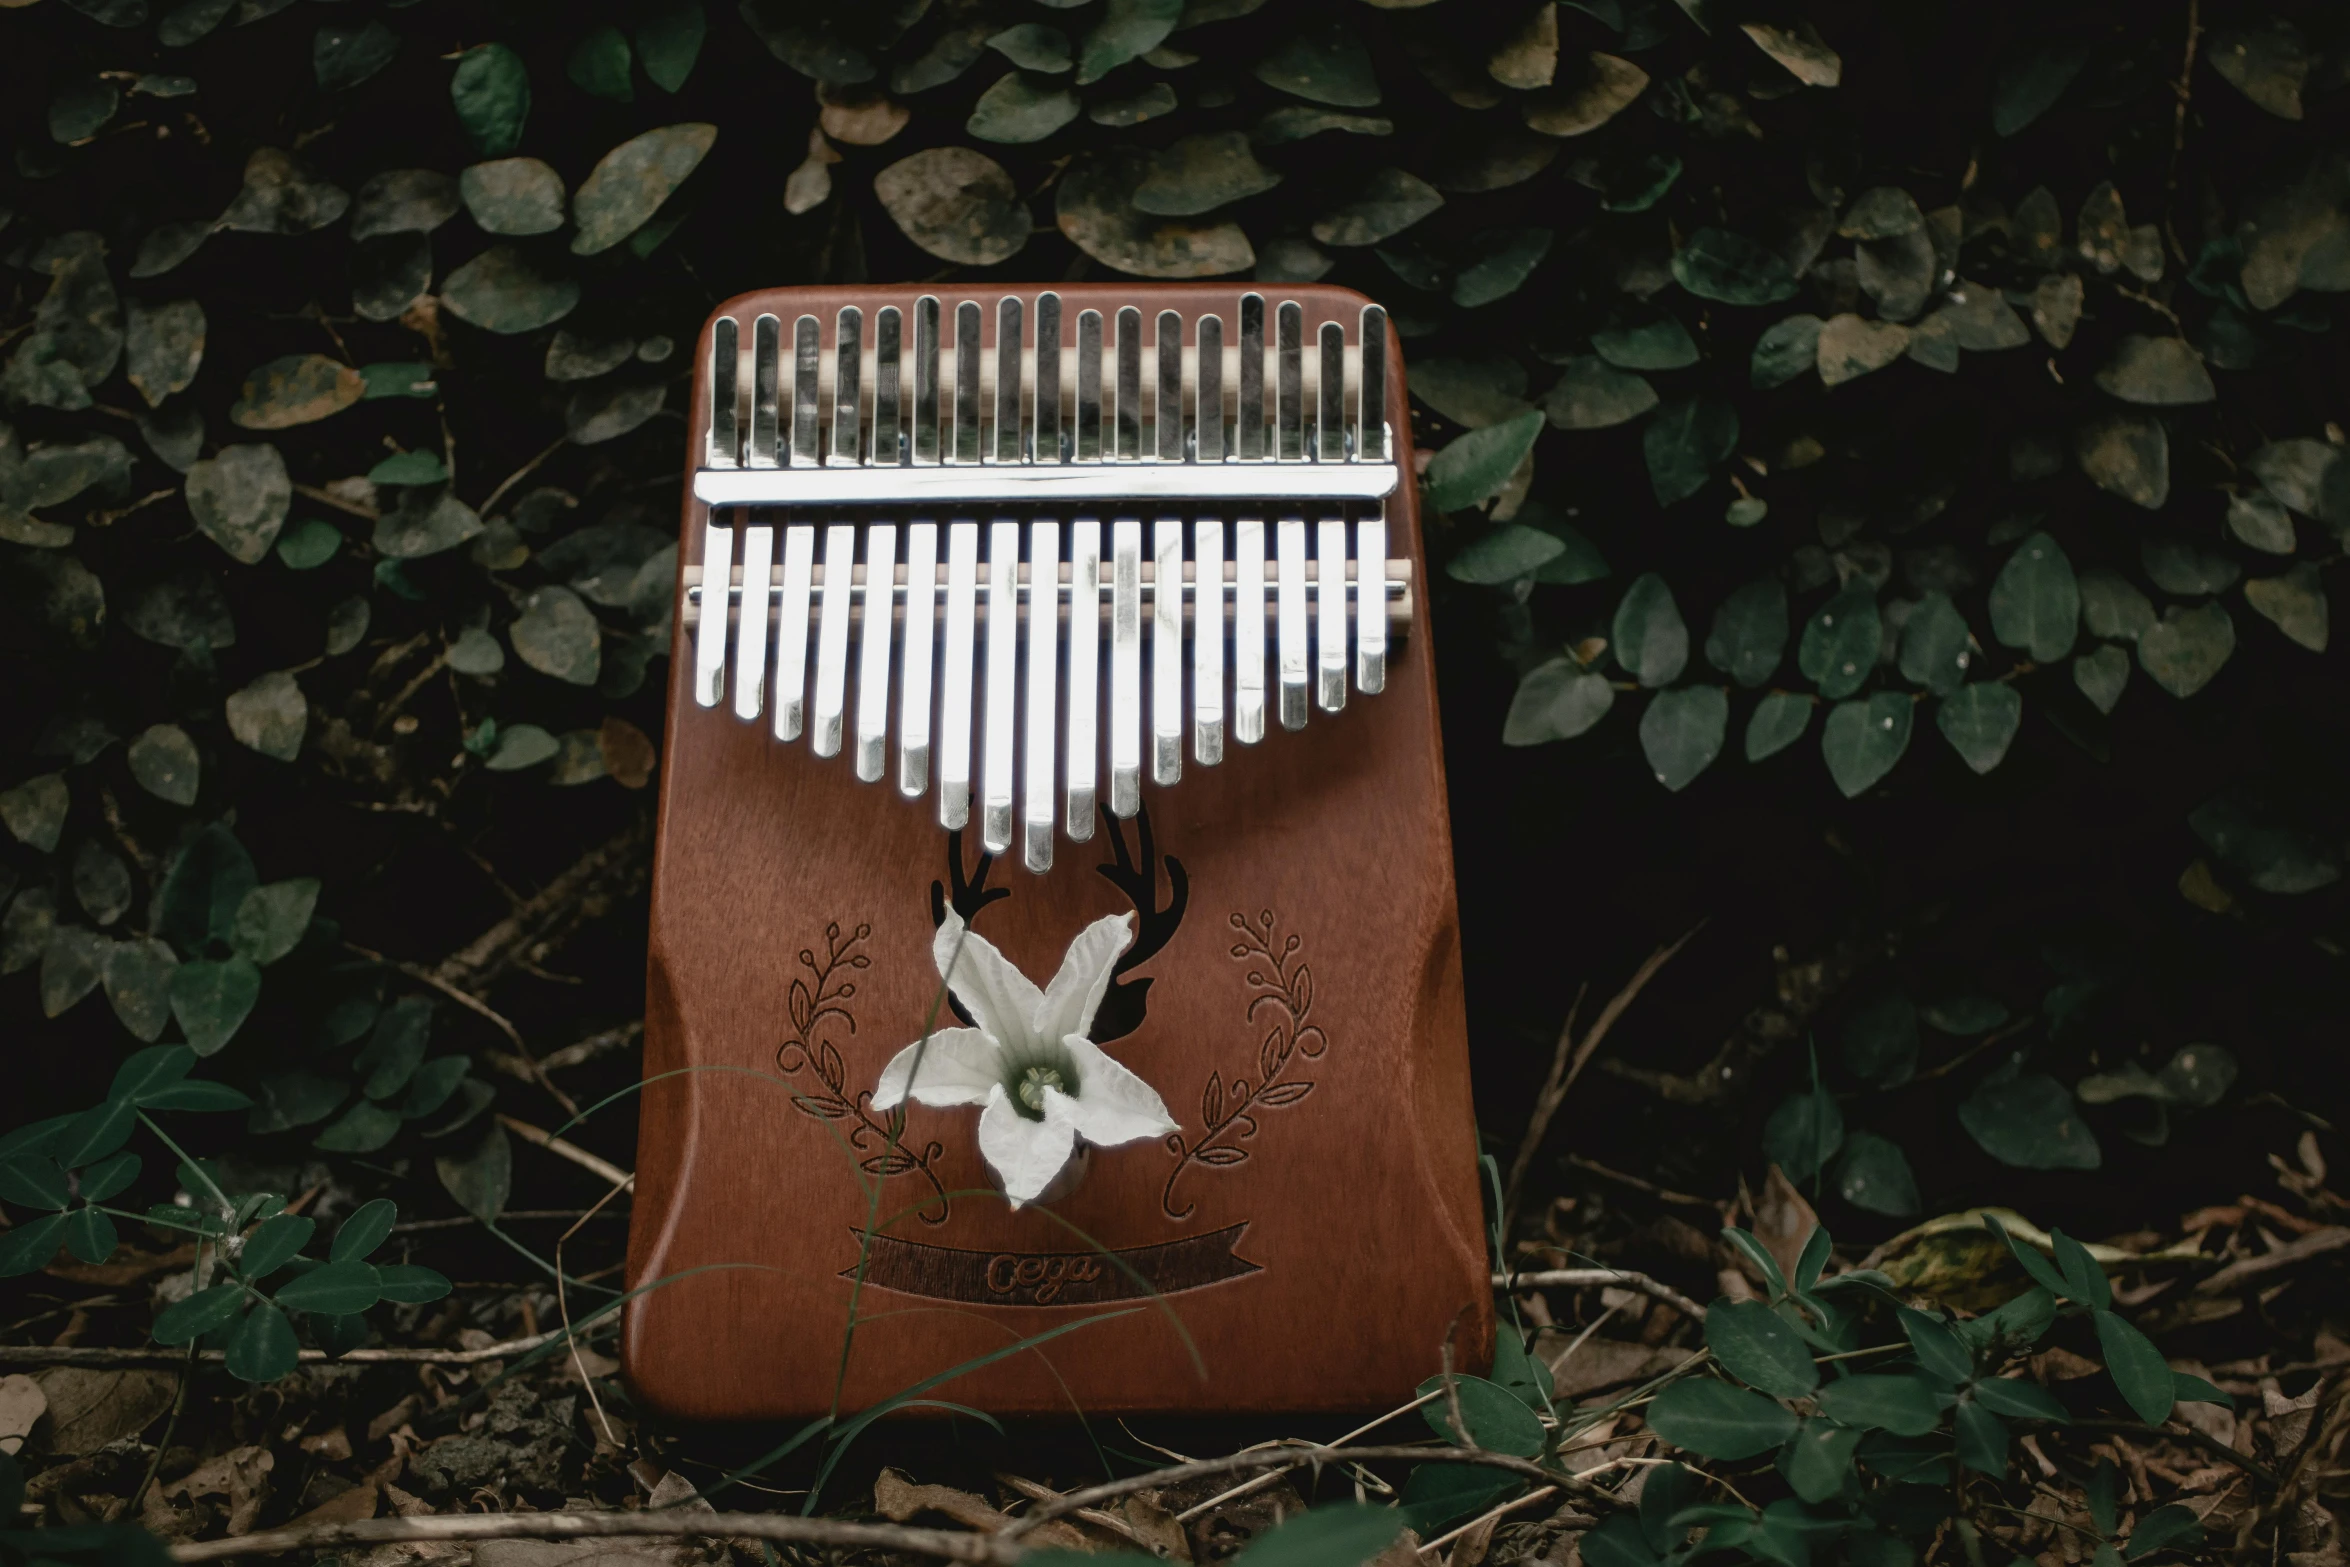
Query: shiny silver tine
(954, 691)
(1044, 636)
(914, 685)
(806, 389)
(1085, 630)
(1330, 593)
(766, 381)
(925, 442)
(1167, 651)
(750, 637)
(1170, 398)
(1047, 421)
(881, 546)
(848, 398)
(719, 450)
(1008, 334)
(888, 450)
(1249, 428)
(825, 720)
(788, 697)
(1330, 416)
(1088, 442)
(967, 322)
(1207, 419)
(1371, 526)
(1290, 383)
(1290, 545)
(722, 449)
(998, 749)
(1129, 404)
(1248, 629)
(1125, 666)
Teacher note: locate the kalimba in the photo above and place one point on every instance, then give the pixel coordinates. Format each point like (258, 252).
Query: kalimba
(1122, 578)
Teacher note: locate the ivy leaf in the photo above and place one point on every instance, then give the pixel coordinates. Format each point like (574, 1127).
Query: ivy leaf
(2187, 647)
(1721, 265)
(1864, 739)
(1504, 555)
(343, 55)
(1018, 109)
(629, 184)
(504, 290)
(2036, 602)
(1592, 394)
(1651, 640)
(1980, 722)
(1749, 633)
(491, 92)
(212, 1000)
(1936, 647)
(1326, 64)
(1779, 721)
(1557, 700)
(239, 499)
(1804, 1133)
(1128, 29)
(1684, 442)
(599, 64)
(2127, 454)
(2028, 1122)
(1787, 348)
(1874, 1175)
(1841, 641)
(1473, 468)
(1682, 731)
(669, 41)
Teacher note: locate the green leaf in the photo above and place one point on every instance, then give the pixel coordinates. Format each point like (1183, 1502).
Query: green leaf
(2104, 1482)
(1651, 640)
(1336, 1534)
(198, 1095)
(366, 1229)
(557, 634)
(669, 41)
(272, 918)
(2136, 1366)
(409, 468)
(1980, 722)
(491, 91)
(263, 1349)
(1507, 553)
(148, 1072)
(1863, 740)
(28, 1247)
(1019, 109)
(505, 290)
(1903, 1405)
(1749, 633)
(1715, 1420)
(333, 1289)
(1684, 441)
(273, 1245)
(2032, 78)
(89, 1235)
(1616, 1542)
(212, 1000)
(431, 1087)
(1818, 1459)
(1758, 1348)
(1324, 64)
(1662, 343)
(1787, 348)
(1682, 731)
(2191, 1389)
(1874, 1175)
(1936, 647)
(2101, 676)
(164, 761)
(1779, 721)
(1128, 29)
(1497, 1419)
(342, 55)
(1522, 1375)
(2294, 603)
(312, 542)
(2084, 1280)
(1841, 641)
(2028, 1122)
(363, 1128)
(1880, 1037)
(2162, 371)
(1804, 1133)
(405, 1284)
(481, 1177)
(1939, 1350)
(1756, 1252)
(1720, 265)
(1592, 394)
(2173, 1526)
(1557, 700)
(2127, 454)
(1475, 466)
(1383, 204)
(291, 1099)
(33, 1182)
(96, 1132)
(1982, 1439)
(2036, 603)
(629, 184)
(599, 64)
(1508, 260)
(2043, 1272)
(1665, 1496)
(185, 1321)
(239, 496)
(2022, 1399)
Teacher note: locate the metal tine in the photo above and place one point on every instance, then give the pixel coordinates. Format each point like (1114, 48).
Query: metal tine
(710, 635)
(1289, 390)
(967, 381)
(914, 687)
(1290, 535)
(848, 411)
(1047, 421)
(1125, 666)
(926, 379)
(888, 449)
(1129, 404)
(766, 379)
(791, 631)
(1248, 630)
(1044, 636)
(1371, 402)
(1085, 600)
(832, 638)
(723, 448)
(1371, 526)
(807, 388)
(1007, 379)
(750, 637)
(1207, 641)
(1167, 652)
(1088, 442)
(1249, 428)
(1330, 417)
(881, 563)
(1170, 398)
(1207, 418)
(1003, 664)
(1330, 603)
(954, 704)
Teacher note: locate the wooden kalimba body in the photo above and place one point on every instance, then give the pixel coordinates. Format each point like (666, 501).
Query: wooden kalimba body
(1021, 611)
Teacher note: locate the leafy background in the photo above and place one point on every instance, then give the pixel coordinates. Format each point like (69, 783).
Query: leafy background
(1887, 486)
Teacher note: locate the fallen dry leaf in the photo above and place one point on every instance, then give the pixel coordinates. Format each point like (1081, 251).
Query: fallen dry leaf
(241, 1474)
(349, 1507)
(897, 1498)
(21, 1404)
(90, 1408)
(1605, 1362)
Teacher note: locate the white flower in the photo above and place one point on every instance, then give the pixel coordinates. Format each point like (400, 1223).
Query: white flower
(1048, 1090)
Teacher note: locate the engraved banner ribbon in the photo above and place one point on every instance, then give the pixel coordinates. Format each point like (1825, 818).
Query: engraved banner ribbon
(1054, 1278)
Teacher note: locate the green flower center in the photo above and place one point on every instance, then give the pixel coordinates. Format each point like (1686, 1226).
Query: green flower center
(1029, 1090)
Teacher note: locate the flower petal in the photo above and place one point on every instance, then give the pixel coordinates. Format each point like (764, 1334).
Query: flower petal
(1069, 1001)
(954, 1066)
(998, 996)
(1024, 1155)
(1112, 1105)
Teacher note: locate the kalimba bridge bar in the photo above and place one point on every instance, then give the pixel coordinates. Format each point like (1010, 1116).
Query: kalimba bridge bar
(1250, 478)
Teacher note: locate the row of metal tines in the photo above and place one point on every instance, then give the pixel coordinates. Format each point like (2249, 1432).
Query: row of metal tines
(1310, 590)
(886, 427)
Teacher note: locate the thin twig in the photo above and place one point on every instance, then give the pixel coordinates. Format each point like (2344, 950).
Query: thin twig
(1585, 1278)
(2315, 1243)
(521, 473)
(330, 498)
(665, 1524)
(1491, 1515)
(1660, 1193)
(1263, 1480)
(94, 1355)
(622, 1180)
(1571, 1057)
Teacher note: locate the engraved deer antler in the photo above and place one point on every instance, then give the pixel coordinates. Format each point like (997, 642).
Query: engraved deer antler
(1136, 874)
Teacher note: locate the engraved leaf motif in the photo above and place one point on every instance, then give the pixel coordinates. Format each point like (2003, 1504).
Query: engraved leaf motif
(1284, 1094)
(829, 1067)
(1301, 991)
(1273, 1054)
(803, 1006)
(1211, 1099)
(1222, 1156)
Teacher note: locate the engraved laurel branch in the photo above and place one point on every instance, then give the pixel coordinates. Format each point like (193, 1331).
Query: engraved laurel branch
(1284, 994)
(878, 1143)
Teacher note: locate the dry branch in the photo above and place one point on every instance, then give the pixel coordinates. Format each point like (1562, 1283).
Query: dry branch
(1605, 1278)
(950, 1544)
(98, 1355)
